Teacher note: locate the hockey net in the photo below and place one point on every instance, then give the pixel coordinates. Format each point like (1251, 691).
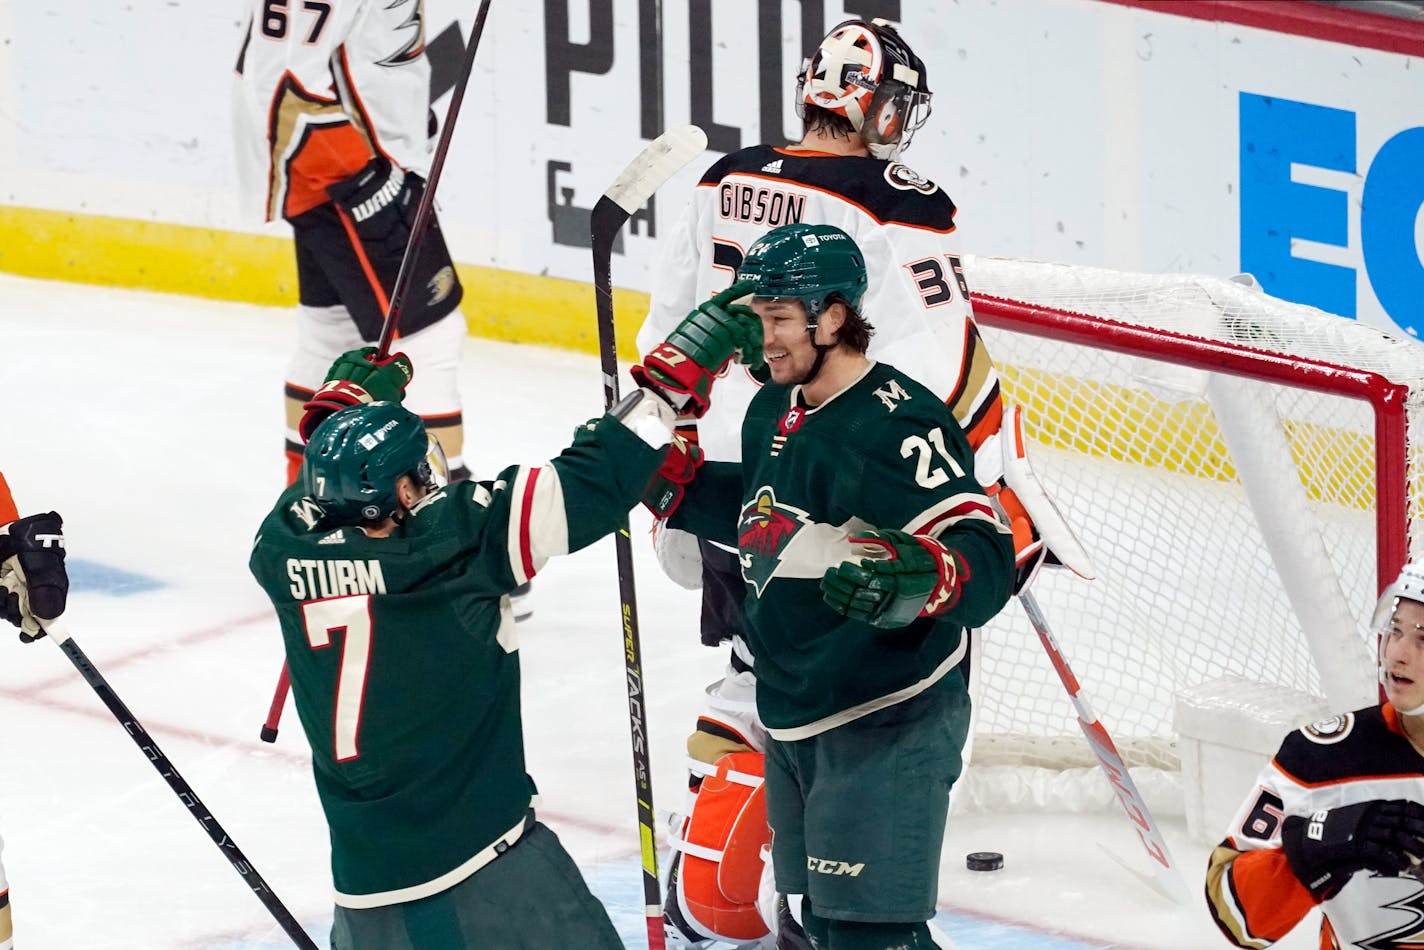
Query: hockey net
(1241, 471)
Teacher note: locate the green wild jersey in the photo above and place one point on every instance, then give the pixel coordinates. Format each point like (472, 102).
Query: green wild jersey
(883, 453)
(403, 662)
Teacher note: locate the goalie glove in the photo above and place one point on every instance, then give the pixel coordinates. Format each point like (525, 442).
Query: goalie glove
(34, 585)
(669, 483)
(683, 367)
(1326, 849)
(356, 377)
(898, 578)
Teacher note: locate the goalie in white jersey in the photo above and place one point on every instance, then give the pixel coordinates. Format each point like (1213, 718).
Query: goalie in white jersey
(333, 127)
(862, 95)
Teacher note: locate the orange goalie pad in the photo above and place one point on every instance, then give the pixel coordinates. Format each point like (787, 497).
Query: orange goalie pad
(721, 850)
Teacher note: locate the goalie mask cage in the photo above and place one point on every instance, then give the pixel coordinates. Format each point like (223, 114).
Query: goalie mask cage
(1239, 468)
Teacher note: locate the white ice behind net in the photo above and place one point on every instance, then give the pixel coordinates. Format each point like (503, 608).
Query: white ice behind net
(1130, 451)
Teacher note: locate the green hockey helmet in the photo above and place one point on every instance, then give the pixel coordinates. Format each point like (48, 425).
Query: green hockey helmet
(808, 262)
(354, 457)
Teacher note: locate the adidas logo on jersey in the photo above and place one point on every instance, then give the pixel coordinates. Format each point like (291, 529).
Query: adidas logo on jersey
(336, 537)
(772, 168)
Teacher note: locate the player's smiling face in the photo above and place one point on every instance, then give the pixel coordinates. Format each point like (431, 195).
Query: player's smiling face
(1404, 656)
(785, 342)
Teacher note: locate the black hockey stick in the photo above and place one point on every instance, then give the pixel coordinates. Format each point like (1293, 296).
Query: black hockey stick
(632, 189)
(401, 289)
(59, 633)
(424, 209)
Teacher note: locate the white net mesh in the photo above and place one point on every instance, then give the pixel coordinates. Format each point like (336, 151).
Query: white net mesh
(1189, 583)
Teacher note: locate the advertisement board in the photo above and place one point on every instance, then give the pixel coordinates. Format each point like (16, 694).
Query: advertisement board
(1069, 130)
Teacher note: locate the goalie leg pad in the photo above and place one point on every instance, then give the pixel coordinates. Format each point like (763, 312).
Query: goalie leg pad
(720, 851)
(727, 723)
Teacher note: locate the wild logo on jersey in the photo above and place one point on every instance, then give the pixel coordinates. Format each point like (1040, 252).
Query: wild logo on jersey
(764, 530)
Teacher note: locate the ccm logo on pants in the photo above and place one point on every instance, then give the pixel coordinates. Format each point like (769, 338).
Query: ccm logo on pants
(837, 868)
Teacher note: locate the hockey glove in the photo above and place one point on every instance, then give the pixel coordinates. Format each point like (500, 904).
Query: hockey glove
(380, 202)
(355, 378)
(33, 582)
(683, 367)
(669, 483)
(898, 578)
(1327, 848)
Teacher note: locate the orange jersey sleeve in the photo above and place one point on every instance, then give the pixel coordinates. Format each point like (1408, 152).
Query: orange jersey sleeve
(1254, 898)
(8, 512)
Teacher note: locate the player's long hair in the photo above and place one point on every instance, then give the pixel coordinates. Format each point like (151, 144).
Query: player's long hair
(816, 119)
(856, 331)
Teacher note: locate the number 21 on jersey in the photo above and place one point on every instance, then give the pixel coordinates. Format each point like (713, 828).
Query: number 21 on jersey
(351, 618)
(927, 474)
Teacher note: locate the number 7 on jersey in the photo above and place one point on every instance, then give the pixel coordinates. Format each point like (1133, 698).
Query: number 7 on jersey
(350, 617)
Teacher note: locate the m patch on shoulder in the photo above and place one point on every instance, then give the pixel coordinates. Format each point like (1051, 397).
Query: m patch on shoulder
(907, 179)
(1329, 731)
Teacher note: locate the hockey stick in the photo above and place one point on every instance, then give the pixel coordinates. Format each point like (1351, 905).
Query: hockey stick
(279, 701)
(401, 290)
(59, 633)
(427, 198)
(1167, 871)
(629, 192)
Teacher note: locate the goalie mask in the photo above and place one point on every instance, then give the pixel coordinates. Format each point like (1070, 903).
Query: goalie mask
(1408, 586)
(867, 73)
(351, 464)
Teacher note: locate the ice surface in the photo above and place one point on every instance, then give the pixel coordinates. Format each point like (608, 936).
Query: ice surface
(152, 423)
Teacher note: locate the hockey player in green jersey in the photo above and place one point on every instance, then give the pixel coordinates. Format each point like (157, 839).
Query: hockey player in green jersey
(868, 547)
(392, 588)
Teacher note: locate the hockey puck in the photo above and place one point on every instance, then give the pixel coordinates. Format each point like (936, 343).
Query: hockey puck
(984, 860)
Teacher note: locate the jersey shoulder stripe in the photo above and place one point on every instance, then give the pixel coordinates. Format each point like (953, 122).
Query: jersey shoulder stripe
(1364, 744)
(890, 192)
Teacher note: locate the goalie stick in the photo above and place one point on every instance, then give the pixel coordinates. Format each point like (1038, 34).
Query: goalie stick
(629, 192)
(401, 289)
(59, 633)
(1167, 872)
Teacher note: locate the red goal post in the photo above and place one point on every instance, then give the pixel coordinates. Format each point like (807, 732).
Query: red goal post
(1240, 469)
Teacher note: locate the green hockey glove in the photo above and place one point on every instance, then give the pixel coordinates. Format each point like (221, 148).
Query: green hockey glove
(901, 577)
(683, 367)
(356, 377)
